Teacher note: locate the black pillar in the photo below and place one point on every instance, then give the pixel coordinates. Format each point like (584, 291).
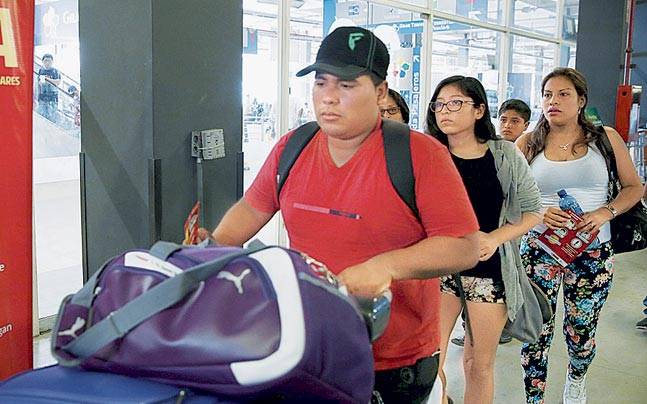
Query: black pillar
(601, 40)
(152, 71)
(639, 57)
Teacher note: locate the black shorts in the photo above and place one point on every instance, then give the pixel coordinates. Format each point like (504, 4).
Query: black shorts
(479, 290)
(408, 384)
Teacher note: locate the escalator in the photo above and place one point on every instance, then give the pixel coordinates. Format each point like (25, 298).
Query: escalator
(57, 135)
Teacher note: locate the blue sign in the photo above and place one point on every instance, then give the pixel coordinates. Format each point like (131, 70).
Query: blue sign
(409, 27)
(444, 25)
(415, 89)
(414, 120)
(56, 22)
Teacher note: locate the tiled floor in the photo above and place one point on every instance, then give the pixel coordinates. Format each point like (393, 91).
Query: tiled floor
(619, 371)
(618, 374)
(58, 242)
(42, 353)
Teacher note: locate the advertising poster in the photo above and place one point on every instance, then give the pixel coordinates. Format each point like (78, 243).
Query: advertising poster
(16, 64)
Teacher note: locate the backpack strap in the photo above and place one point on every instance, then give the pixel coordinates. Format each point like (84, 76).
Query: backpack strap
(397, 152)
(293, 148)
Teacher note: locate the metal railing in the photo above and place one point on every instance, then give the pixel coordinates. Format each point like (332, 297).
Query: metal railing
(637, 143)
(66, 111)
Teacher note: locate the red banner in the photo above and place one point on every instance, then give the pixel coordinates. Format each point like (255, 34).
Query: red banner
(16, 67)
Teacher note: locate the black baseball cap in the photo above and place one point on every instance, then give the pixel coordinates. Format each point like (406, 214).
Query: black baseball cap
(349, 52)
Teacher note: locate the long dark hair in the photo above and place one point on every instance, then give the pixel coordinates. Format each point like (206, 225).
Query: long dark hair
(401, 103)
(471, 87)
(537, 138)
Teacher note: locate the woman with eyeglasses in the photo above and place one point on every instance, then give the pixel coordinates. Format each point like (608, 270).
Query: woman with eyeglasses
(563, 154)
(394, 107)
(506, 201)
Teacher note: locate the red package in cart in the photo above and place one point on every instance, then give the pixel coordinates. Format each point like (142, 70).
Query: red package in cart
(191, 226)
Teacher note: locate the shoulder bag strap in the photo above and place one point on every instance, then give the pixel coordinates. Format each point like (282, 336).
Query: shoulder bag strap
(461, 292)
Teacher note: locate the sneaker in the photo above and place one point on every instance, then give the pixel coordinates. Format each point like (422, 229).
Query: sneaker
(460, 341)
(641, 325)
(505, 338)
(575, 390)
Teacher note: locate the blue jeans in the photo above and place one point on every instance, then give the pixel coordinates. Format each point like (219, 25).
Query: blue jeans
(48, 109)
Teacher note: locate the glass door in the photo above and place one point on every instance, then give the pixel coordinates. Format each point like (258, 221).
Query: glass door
(56, 147)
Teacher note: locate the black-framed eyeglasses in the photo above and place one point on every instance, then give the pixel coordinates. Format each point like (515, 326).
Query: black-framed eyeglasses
(452, 105)
(391, 111)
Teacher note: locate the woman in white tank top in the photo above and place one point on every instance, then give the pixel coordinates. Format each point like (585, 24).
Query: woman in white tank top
(562, 155)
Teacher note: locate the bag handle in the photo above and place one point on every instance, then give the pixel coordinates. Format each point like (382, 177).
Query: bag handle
(164, 249)
(162, 296)
(608, 148)
(461, 293)
(161, 249)
(85, 296)
(605, 147)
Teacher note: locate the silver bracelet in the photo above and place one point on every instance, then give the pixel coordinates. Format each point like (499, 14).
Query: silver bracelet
(610, 208)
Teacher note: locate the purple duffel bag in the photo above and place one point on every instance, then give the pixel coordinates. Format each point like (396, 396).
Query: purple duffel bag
(257, 323)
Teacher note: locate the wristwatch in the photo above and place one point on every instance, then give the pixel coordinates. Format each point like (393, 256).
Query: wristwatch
(613, 210)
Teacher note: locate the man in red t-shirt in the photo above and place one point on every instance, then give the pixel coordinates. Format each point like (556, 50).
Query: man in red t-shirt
(340, 208)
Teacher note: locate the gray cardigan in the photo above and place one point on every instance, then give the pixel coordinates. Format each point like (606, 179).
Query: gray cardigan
(520, 195)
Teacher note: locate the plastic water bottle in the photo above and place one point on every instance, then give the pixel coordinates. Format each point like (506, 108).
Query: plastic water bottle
(568, 202)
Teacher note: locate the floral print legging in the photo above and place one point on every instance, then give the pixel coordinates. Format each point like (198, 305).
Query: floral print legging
(587, 281)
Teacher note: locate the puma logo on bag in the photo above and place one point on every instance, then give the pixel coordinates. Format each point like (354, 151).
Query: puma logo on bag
(237, 280)
(71, 332)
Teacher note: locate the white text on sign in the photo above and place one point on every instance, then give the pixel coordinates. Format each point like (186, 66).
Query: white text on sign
(5, 329)
(8, 45)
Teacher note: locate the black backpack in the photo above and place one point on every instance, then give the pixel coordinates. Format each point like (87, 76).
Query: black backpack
(397, 152)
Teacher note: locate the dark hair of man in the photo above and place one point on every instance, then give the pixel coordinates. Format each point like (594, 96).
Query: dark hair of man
(47, 56)
(375, 79)
(401, 103)
(518, 106)
(472, 88)
(537, 138)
